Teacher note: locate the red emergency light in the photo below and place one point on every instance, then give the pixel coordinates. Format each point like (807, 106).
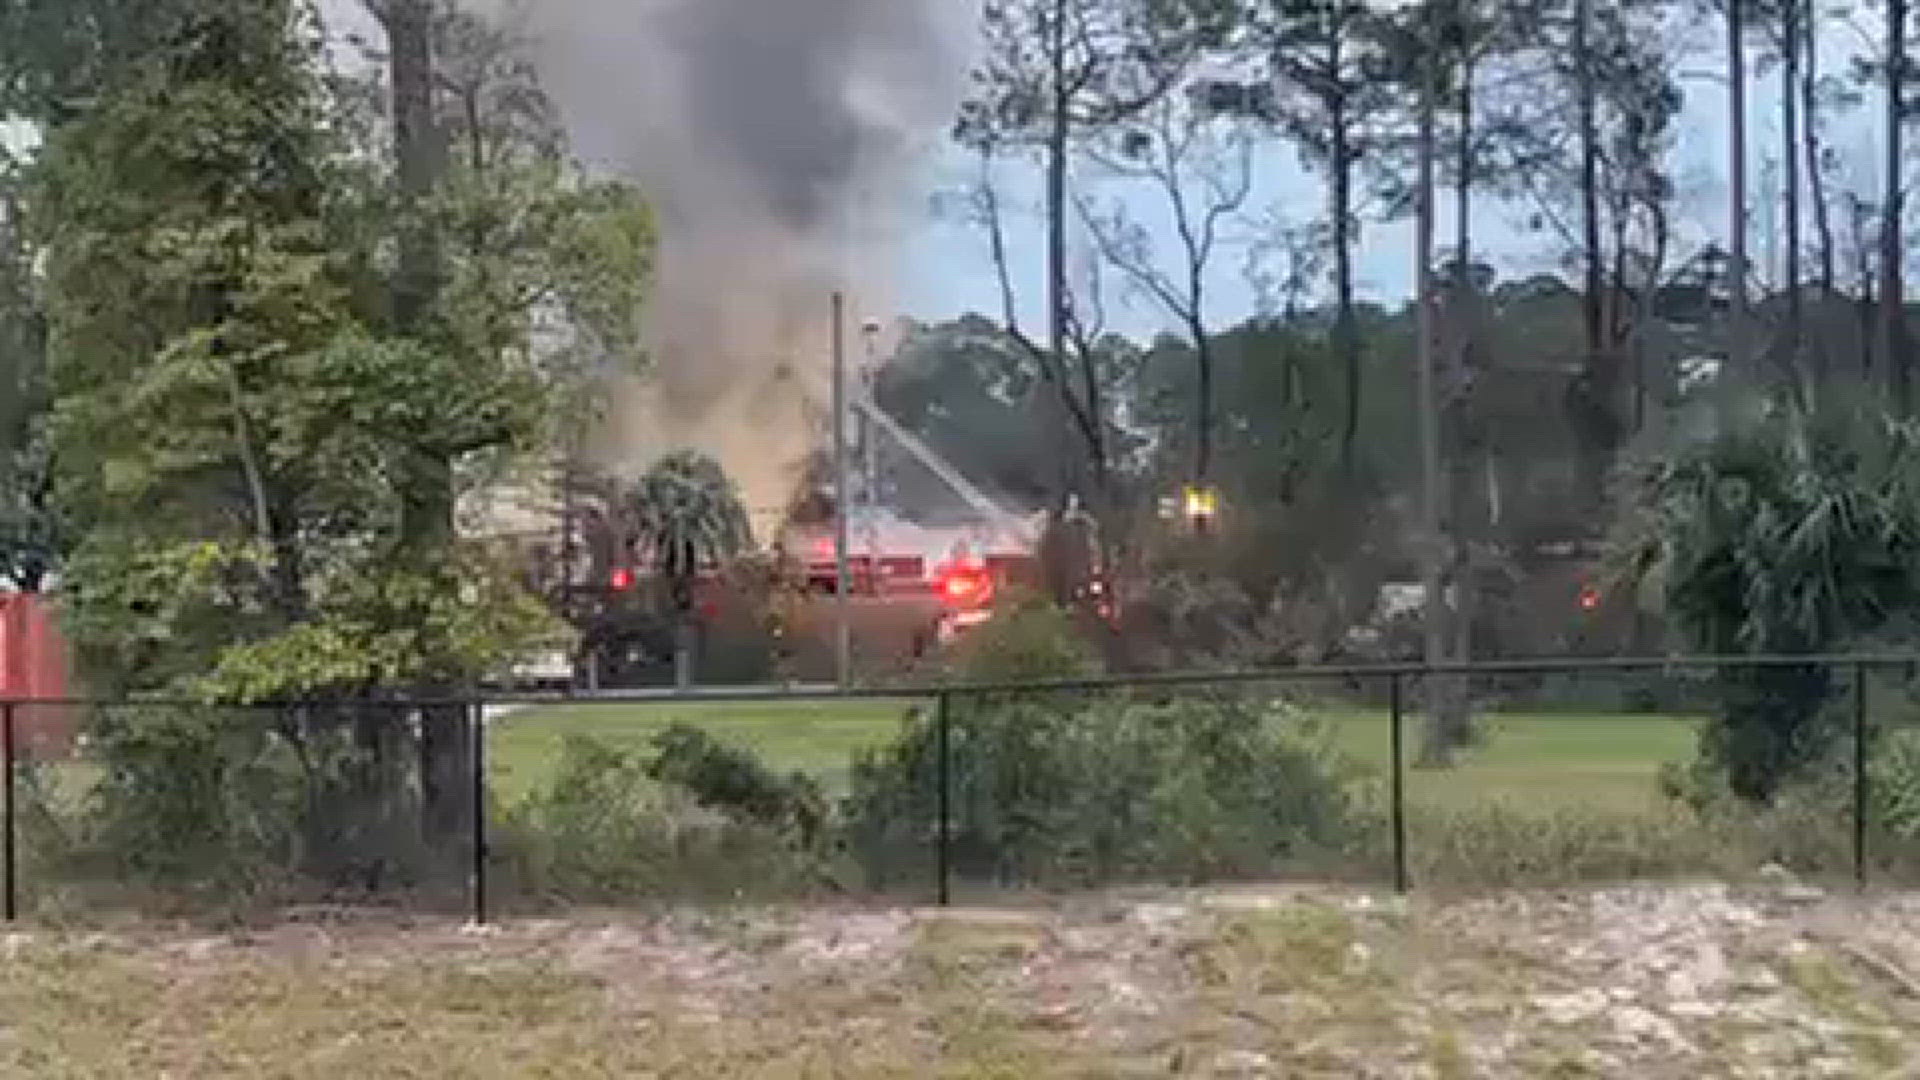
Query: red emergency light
(1589, 598)
(621, 579)
(964, 586)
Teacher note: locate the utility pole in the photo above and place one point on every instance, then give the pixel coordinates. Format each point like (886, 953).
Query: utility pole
(843, 637)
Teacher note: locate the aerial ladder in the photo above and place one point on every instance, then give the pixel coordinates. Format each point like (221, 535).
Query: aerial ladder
(1023, 531)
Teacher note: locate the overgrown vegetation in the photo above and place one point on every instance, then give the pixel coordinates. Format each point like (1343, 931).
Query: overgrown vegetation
(1068, 787)
(1785, 533)
(265, 326)
(607, 828)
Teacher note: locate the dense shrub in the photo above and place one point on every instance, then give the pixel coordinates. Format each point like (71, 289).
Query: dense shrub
(189, 794)
(1103, 789)
(1895, 778)
(605, 829)
(1028, 639)
(235, 806)
(732, 780)
(1807, 826)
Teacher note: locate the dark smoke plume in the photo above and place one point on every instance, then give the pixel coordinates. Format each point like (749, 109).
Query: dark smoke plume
(777, 139)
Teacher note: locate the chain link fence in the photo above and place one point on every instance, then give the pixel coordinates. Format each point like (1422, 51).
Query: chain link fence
(1539, 773)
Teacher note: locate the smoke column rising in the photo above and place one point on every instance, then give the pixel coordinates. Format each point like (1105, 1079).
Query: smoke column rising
(777, 139)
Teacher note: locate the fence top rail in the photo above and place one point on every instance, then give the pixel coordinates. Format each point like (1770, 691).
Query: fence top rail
(1167, 679)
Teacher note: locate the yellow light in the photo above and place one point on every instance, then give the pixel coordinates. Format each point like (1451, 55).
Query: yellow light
(1201, 502)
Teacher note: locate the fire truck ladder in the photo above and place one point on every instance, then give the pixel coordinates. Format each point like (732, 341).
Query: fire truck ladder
(999, 516)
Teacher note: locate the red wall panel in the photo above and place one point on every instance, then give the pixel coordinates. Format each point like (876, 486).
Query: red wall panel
(33, 667)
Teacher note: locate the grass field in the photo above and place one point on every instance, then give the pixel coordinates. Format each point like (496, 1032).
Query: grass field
(815, 737)
(1604, 761)
(1532, 759)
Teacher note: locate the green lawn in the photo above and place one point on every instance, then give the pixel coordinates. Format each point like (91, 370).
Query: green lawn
(1536, 759)
(1602, 761)
(815, 737)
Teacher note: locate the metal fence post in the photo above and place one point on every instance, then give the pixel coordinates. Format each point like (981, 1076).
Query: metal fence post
(1399, 793)
(10, 887)
(943, 836)
(1860, 779)
(477, 732)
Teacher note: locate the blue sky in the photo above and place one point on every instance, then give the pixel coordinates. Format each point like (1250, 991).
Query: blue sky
(944, 269)
(948, 271)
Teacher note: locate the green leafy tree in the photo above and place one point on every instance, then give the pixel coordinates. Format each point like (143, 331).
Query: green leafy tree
(1783, 534)
(236, 428)
(496, 235)
(685, 513)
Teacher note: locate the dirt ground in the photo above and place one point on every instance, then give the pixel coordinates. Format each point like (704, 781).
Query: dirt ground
(1782, 981)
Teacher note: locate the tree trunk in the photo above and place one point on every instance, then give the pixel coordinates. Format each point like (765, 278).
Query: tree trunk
(1057, 143)
(1593, 412)
(1790, 157)
(683, 635)
(417, 154)
(1810, 135)
(1203, 408)
(1203, 450)
(1437, 750)
(427, 489)
(1738, 349)
(1464, 326)
(1893, 294)
(1591, 257)
(1346, 331)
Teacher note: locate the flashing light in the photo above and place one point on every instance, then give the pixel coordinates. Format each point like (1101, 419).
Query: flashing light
(1201, 503)
(1589, 598)
(964, 586)
(621, 579)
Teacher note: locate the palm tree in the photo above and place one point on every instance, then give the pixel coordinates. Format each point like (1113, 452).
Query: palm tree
(684, 512)
(1785, 533)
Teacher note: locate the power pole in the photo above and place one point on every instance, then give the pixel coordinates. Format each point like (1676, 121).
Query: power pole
(843, 637)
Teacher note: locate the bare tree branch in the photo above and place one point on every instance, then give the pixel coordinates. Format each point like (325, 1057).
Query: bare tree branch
(987, 204)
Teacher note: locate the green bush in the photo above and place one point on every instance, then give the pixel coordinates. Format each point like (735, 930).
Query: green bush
(231, 808)
(1027, 639)
(732, 780)
(605, 829)
(1102, 789)
(1895, 777)
(185, 795)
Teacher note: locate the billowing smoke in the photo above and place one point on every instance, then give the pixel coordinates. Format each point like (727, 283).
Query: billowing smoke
(778, 140)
